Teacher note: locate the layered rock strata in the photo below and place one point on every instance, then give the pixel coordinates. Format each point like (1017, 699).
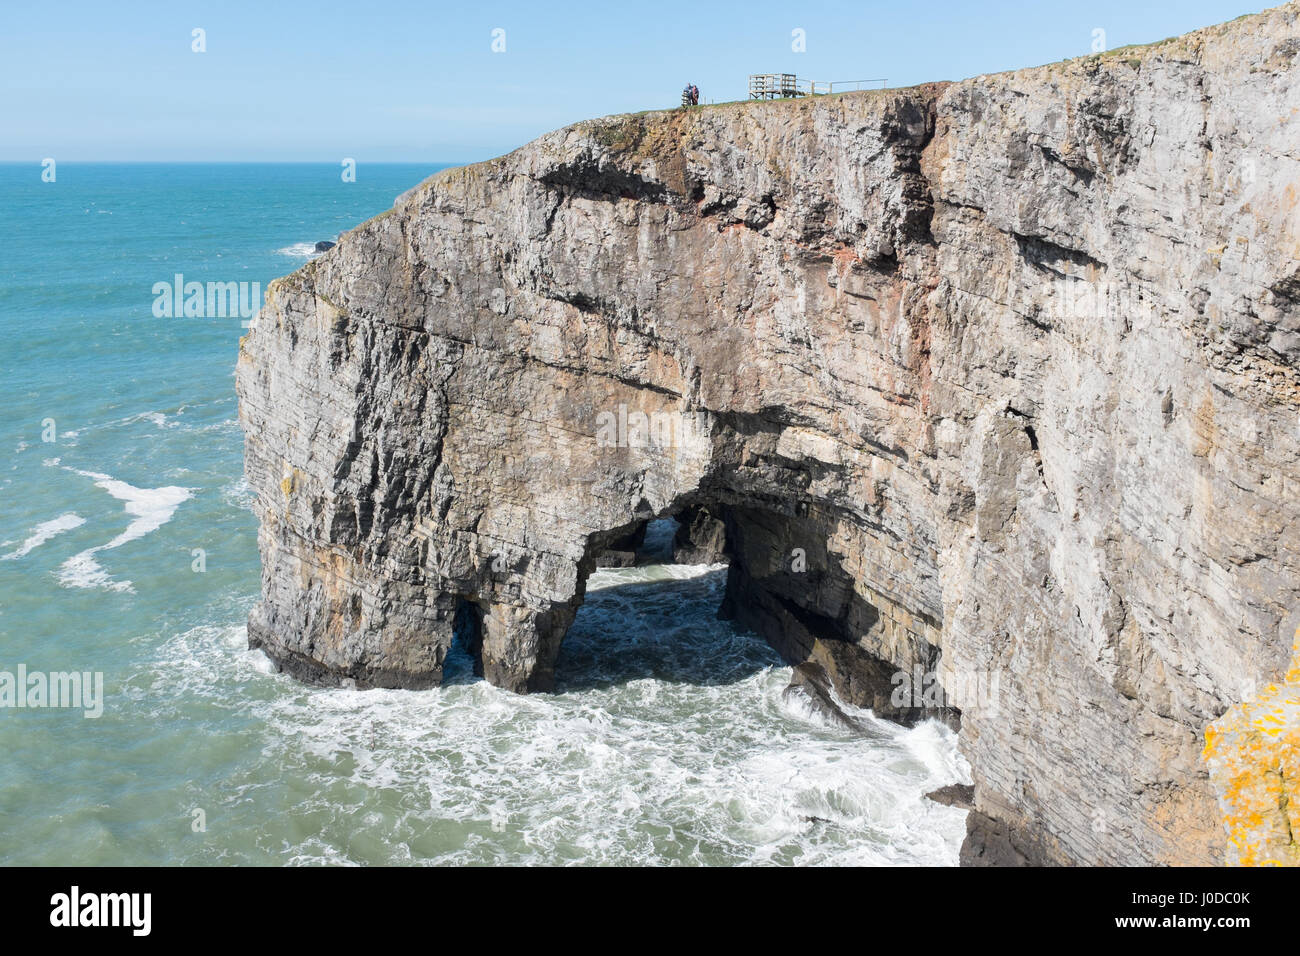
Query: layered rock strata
(988, 391)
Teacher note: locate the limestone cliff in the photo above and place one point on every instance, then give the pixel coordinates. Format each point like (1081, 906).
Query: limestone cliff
(993, 383)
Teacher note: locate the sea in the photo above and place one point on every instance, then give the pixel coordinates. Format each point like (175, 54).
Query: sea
(128, 556)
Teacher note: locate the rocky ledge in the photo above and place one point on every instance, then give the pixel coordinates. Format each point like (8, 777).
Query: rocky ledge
(988, 391)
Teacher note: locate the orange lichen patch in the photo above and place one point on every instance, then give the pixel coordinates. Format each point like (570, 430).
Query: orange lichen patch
(1253, 755)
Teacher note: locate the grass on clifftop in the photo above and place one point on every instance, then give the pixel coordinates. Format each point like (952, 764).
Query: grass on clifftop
(747, 102)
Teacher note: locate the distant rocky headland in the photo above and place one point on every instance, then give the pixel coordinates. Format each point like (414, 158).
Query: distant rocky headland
(989, 393)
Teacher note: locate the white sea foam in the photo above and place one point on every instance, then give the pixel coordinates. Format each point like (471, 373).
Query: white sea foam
(669, 741)
(229, 426)
(157, 418)
(303, 250)
(44, 532)
(173, 418)
(239, 494)
(151, 508)
(154, 417)
(83, 571)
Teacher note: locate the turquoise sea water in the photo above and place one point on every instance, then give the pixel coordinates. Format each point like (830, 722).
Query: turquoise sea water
(127, 548)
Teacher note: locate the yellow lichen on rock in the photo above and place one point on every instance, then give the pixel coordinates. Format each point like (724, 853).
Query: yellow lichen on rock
(289, 483)
(1253, 754)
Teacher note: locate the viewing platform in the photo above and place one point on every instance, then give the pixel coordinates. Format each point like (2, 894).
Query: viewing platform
(775, 86)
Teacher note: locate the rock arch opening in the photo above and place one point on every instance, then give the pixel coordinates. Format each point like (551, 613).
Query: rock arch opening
(652, 616)
(465, 659)
(785, 582)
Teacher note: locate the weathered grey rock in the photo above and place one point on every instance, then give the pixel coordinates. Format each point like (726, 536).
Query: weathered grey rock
(701, 538)
(993, 385)
(622, 553)
(960, 795)
(990, 842)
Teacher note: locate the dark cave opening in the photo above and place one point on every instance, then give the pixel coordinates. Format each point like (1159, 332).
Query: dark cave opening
(464, 663)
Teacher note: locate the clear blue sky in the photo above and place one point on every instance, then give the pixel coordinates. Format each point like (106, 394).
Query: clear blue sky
(392, 80)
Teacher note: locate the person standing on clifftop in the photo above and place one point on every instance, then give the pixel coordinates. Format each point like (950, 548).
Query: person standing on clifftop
(695, 95)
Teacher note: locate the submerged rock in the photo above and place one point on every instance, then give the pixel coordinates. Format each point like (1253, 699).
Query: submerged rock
(991, 386)
(959, 795)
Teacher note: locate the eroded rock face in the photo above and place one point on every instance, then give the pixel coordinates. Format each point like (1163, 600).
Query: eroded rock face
(992, 385)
